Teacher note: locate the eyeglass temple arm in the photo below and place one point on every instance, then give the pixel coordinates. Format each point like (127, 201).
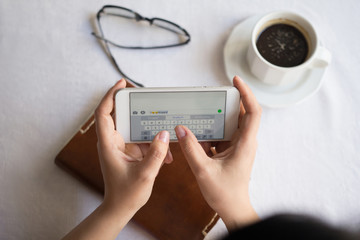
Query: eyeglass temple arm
(108, 52)
(122, 73)
(112, 59)
(129, 47)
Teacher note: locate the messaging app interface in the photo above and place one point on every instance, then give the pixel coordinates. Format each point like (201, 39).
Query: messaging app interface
(202, 112)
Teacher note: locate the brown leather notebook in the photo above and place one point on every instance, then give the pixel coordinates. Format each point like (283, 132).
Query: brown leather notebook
(176, 208)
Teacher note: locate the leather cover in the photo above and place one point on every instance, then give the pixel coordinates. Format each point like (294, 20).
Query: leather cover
(176, 208)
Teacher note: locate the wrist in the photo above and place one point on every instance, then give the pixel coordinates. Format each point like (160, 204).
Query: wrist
(118, 211)
(121, 203)
(102, 223)
(238, 214)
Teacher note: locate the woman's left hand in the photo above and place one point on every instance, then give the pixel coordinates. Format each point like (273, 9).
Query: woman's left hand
(129, 170)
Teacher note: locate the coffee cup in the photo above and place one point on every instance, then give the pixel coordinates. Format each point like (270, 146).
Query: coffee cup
(284, 46)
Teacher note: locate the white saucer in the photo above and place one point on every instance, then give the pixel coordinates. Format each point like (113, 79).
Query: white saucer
(267, 95)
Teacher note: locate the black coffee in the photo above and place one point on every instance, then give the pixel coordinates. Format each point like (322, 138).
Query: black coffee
(283, 45)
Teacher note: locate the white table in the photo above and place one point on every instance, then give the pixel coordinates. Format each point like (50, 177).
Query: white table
(53, 74)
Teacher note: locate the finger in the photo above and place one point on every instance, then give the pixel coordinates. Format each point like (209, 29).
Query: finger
(192, 150)
(247, 97)
(135, 151)
(144, 148)
(104, 122)
(156, 154)
(250, 122)
(242, 112)
(169, 157)
(222, 146)
(107, 103)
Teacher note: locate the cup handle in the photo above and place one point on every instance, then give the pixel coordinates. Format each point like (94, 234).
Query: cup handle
(323, 58)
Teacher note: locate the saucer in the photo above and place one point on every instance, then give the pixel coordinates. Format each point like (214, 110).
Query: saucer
(267, 95)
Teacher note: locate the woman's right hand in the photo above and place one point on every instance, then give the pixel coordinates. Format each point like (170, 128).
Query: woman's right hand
(224, 178)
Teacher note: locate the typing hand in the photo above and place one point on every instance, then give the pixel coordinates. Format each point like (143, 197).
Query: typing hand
(224, 178)
(129, 170)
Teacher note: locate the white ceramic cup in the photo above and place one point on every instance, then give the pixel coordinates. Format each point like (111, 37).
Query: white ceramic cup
(317, 57)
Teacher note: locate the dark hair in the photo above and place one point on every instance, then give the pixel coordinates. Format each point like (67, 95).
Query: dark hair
(287, 226)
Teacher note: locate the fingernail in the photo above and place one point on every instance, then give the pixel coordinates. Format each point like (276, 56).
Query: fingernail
(240, 79)
(180, 132)
(121, 80)
(164, 136)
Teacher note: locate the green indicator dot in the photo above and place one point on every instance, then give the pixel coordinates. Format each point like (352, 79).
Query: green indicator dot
(219, 111)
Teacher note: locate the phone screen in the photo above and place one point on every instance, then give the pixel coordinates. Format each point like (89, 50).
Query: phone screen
(202, 112)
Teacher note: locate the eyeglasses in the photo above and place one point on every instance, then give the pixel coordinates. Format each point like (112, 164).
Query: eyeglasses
(128, 14)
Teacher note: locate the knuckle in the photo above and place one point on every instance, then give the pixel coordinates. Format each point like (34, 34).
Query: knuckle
(100, 146)
(250, 140)
(258, 110)
(249, 145)
(203, 173)
(97, 112)
(146, 176)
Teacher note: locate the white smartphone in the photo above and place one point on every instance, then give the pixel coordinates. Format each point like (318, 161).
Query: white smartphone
(211, 113)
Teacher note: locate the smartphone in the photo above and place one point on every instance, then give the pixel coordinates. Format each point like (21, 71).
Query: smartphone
(211, 113)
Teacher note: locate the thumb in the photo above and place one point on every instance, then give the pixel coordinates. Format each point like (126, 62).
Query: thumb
(156, 154)
(192, 150)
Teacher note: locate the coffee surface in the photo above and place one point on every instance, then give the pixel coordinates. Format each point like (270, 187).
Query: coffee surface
(283, 45)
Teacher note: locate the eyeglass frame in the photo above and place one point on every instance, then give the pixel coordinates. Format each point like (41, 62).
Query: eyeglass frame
(137, 18)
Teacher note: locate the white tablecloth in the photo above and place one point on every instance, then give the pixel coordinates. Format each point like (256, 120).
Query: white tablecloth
(53, 74)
